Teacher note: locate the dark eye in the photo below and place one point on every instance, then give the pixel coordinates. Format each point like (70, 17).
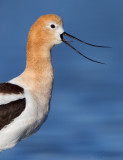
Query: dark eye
(52, 26)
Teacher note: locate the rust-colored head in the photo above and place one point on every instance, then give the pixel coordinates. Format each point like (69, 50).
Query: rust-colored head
(45, 31)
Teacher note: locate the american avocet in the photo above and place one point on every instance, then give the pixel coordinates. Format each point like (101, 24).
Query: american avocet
(24, 100)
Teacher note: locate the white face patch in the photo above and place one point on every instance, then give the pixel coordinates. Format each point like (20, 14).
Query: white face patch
(58, 30)
(52, 25)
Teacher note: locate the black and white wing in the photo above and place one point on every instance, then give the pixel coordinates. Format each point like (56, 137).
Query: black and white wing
(12, 103)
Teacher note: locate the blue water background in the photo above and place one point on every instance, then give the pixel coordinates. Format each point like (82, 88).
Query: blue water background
(86, 117)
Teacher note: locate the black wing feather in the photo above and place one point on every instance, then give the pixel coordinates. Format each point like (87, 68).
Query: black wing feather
(9, 88)
(9, 111)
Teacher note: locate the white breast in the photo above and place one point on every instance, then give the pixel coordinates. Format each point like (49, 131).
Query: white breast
(26, 124)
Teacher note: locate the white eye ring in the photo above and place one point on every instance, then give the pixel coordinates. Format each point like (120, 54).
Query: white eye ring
(53, 26)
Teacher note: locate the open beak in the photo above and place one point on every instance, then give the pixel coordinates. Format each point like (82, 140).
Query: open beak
(66, 34)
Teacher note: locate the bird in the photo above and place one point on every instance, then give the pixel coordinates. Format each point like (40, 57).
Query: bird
(25, 100)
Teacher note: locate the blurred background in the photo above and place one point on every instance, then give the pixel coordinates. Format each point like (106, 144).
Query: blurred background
(86, 117)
